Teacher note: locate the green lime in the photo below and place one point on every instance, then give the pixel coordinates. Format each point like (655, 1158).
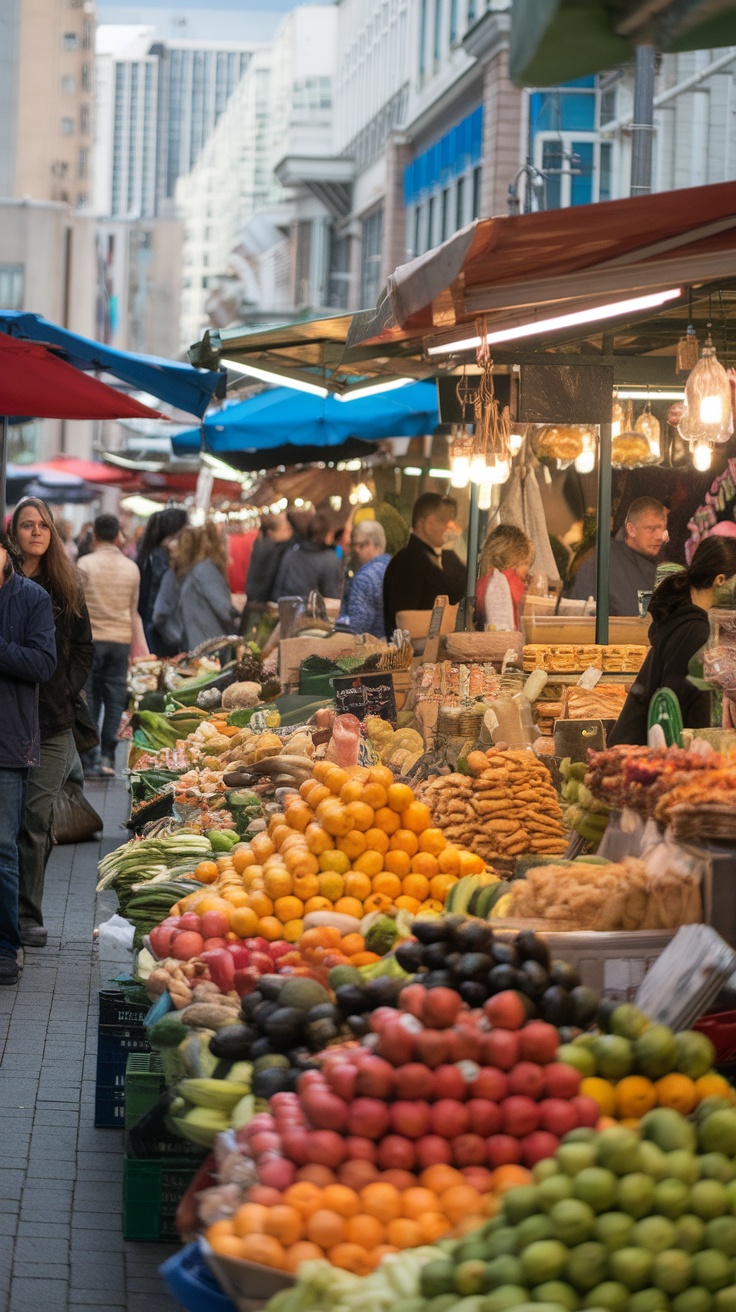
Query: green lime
(508, 1296)
(543, 1261)
(720, 1233)
(694, 1299)
(587, 1266)
(636, 1194)
(573, 1221)
(471, 1277)
(672, 1270)
(597, 1187)
(611, 1295)
(556, 1291)
(614, 1230)
(711, 1269)
(631, 1266)
(655, 1233)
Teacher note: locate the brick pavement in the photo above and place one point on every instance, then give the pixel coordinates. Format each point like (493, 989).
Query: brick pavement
(61, 1244)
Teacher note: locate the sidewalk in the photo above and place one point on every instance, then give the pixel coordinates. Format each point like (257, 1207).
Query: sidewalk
(61, 1244)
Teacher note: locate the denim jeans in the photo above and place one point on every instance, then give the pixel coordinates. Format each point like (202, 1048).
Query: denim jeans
(45, 782)
(12, 805)
(107, 696)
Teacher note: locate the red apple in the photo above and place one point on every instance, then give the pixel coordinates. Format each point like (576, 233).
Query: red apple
(367, 1118)
(262, 962)
(539, 1042)
(558, 1116)
(213, 924)
(465, 1043)
(279, 1101)
(360, 1150)
(326, 1148)
(400, 1179)
(396, 1152)
(258, 944)
(410, 1119)
(411, 999)
(276, 1171)
(501, 1149)
(527, 1078)
(478, 1177)
(441, 1008)
(500, 1048)
(324, 1110)
(561, 1081)
(380, 1017)
(586, 1109)
(431, 1149)
(490, 1083)
(264, 1194)
(161, 938)
(449, 1118)
(505, 1011)
(246, 981)
(375, 1078)
(520, 1115)
(449, 1083)
(186, 944)
(279, 949)
(342, 1078)
(266, 1141)
(211, 943)
(468, 1150)
(484, 1117)
(295, 1145)
(432, 1047)
(415, 1081)
(538, 1145)
(190, 921)
(261, 1121)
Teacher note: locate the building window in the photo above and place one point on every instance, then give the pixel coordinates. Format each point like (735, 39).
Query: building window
(11, 286)
(608, 104)
(84, 120)
(453, 22)
(82, 200)
(417, 230)
(370, 259)
(67, 127)
(68, 84)
(445, 219)
(303, 262)
(83, 163)
(86, 80)
(471, 11)
(605, 173)
(87, 35)
(71, 41)
(568, 167)
(431, 206)
(423, 38)
(460, 204)
(476, 192)
(437, 31)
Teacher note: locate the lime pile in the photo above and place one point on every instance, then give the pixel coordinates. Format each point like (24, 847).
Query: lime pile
(623, 1220)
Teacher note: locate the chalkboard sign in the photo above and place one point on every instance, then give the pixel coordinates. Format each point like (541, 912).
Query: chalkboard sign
(362, 695)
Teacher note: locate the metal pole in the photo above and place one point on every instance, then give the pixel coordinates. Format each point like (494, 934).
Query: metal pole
(603, 534)
(472, 574)
(642, 128)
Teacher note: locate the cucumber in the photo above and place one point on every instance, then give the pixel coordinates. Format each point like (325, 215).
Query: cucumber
(664, 710)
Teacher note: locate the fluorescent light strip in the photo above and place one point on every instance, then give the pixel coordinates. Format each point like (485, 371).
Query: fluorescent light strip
(648, 394)
(374, 389)
(222, 469)
(439, 473)
(593, 315)
(277, 380)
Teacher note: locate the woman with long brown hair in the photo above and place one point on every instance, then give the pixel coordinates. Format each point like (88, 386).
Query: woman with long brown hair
(196, 593)
(45, 561)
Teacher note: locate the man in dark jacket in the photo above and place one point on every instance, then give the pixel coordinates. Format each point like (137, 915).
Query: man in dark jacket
(27, 658)
(424, 569)
(310, 565)
(633, 561)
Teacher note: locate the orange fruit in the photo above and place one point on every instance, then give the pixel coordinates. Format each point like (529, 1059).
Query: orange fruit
(635, 1096)
(364, 959)
(320, 792)
(242, 858)
(416, 1201)
(300, 1252)
(361, 815)
(277, 882)
(416, 886)
(264, 1249)
(433, 1226)
(602, 1092)
(449, 860)
(410, 904)
(400, 796)
(318, 839)
(374, 794)
(331, 885)
(301, 864)
(304, 1197)
(299, 816)
(440, 885)
(336, 778)
(325, 1228)
(376, 902)
(458, 1201)
(225, 1245)
(678, 1092)
(387, 820)
(323, 936)
(316, 1174)
(244, 921)
(356, 1173)
(381, 774)
(250, 1219)
(352, 1257)
(335, 861)
(387, 883)
(404, 1233)
(224, 1227)
(365, 1230)
(351, 944)
(377, 839)
(470, 864)
(320, 770)
(349, 906)
(357, 884)
(261, 904)
(270, 928)
(404, 841)
(358, 772)
(425, 864)
(353, 844)
(338, 1198)
(288, 908)
(468, 1223)
(212, 903)
(383, 1201)
(432, 841)
(237, 897)
(440, 1177)
(292, 930)
(285, 1223)
(262, 846)
(304, 886)
(206, 872)
(352, 791)
(334, 818)
(713, 1085)
(370, 864)
(317, 904)
(417, 817)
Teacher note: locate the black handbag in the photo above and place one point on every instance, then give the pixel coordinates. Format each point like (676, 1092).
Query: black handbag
(74, 819)
(84, 728)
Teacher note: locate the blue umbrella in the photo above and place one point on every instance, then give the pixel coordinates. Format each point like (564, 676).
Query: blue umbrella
(179, 384)
(289, 427)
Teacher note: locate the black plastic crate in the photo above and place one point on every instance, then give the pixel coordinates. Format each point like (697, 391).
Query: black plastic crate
(109, 1107)
(121, 1032)
(116, 1011)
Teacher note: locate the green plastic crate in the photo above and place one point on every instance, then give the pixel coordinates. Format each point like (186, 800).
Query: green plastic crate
(152, 1191)
(144, 1084)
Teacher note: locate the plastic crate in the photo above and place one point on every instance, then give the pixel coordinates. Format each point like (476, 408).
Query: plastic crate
(144, 1084)
(109, 1107)
(114, 1010)
(152, 1191)
(192, 1284)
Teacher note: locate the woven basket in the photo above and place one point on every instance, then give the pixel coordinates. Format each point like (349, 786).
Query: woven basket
(491, 646)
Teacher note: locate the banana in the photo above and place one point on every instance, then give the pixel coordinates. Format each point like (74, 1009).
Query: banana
(241, 1072)
(243, 1112)
(201, 1125)
(217, 1095)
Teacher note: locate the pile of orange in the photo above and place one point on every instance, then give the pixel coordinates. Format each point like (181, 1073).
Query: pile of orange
(630, 1098)
(351, 841)
(355, 1224)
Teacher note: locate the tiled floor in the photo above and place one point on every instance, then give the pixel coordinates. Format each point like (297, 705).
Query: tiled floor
(61, 1245)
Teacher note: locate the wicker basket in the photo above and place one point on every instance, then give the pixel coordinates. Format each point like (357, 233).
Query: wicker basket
(491, 646)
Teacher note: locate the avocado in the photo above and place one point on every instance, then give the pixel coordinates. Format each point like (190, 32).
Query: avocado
(555, 1006)
(271, 1061)
(382, 991)
(233, 1041)
(435, 956)
(321, 1032)
(351, 999)
(359, 1026)
(474, 965)
(533, 978)
(438, 979)
(473, 992)
(345, 975)
(267, 1083)
(504, 954)
(261, 1048)
(323, 1011)
(531, 948)
(302, 993)
(473, 935)
(501, 978)
(409, 955)
(584, 1006)
(284, 1028)
(431, 931)
(270, 986)
(565, 975)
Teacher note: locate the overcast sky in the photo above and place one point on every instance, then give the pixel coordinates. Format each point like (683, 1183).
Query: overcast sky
(235, 20)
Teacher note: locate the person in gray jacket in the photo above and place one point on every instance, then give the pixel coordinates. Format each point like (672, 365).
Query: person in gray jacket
(205, 603)
(310, 565)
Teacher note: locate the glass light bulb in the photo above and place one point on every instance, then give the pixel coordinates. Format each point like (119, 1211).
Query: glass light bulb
(711, 411)
(484, 494)
(701, 456)
(460, 471)
(477, 468)
(585, 462)
(616, 428)
(515, 441)
(498, 472)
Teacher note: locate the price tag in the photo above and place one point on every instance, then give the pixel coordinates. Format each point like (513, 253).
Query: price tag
(432, 645)
(362, 695)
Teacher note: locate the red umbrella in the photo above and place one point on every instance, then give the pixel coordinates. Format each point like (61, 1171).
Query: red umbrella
(35, 382)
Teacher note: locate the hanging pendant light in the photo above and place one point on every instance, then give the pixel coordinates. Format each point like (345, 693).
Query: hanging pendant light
(618, 417)
(585, 462)
(707, 415)
(702, 456)
(648, 425)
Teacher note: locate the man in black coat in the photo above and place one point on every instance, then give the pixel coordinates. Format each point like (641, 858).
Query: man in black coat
(424, 569)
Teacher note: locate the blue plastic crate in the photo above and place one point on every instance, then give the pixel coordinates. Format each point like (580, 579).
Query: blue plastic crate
(188, 1278)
